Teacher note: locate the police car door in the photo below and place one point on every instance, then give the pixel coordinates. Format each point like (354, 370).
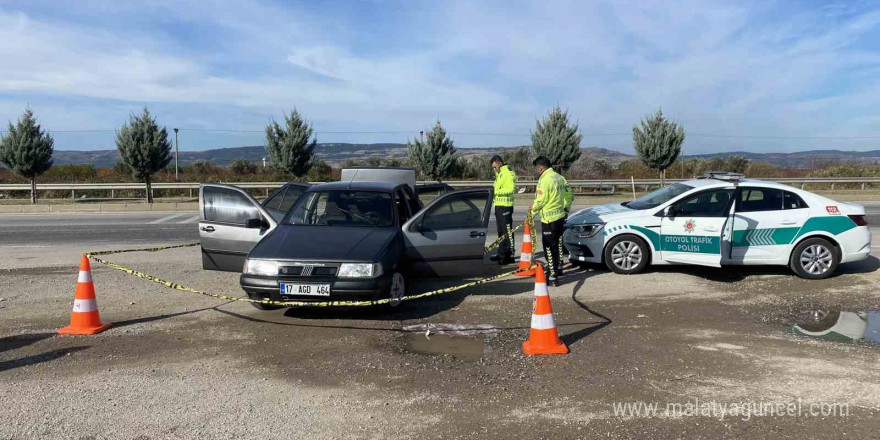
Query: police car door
(231, 222)
(765, 222)
(448, 237)
(691, 229)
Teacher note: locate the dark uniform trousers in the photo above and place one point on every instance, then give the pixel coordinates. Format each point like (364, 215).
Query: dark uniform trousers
(551, 238)
(504, 222)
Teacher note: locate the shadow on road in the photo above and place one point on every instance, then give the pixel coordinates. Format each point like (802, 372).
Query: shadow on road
(134, 321)
(18, 341)
(40, 358)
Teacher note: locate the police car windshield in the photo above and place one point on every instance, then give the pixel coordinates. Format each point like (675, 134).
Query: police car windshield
(342, 208)
(659, 197)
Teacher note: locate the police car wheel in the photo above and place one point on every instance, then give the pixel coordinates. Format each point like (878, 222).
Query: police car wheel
(815, 259)
(627, 254)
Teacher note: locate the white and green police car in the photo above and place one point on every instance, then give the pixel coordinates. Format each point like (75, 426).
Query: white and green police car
(722, 219)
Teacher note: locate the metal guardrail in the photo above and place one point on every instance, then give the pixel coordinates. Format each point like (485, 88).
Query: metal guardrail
(609, 184)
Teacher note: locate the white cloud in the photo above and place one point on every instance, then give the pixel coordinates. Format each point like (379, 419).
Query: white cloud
(718, 67)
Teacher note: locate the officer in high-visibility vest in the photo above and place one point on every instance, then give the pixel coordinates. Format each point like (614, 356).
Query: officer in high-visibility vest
(553, 199)
(505, 190)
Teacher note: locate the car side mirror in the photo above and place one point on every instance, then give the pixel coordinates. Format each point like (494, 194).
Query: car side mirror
(669, 211)
(254, 223)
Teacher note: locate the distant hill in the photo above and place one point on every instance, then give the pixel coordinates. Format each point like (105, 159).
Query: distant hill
(338, 153)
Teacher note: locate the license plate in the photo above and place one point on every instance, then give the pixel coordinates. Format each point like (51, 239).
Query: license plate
(305, 289)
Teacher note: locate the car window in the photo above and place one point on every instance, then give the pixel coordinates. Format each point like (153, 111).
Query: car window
(228, 206)
(705, 204)
(430, 192)
(400, 203)
(759, 199)
(342, 208)
(791, 200)
(414, 205)
(459, 211)
(290, 197)
(274, 201)
(659, 197)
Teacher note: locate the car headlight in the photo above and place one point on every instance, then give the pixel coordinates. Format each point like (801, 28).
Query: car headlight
(587, 230)
(359, 270)
(261, 267)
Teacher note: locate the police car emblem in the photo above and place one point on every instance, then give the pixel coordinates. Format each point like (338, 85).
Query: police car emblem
(690, 225)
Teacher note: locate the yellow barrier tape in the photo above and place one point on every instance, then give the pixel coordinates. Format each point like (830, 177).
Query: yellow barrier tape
(94, 256)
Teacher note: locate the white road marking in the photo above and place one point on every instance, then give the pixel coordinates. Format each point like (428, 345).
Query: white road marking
(189, 220)
(164, 219)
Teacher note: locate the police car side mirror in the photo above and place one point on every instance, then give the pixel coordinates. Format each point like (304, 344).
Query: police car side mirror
(669, 211)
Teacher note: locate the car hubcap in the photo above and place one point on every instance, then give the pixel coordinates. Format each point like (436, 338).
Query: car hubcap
(398, 289)
(816, 259)
(626, 255)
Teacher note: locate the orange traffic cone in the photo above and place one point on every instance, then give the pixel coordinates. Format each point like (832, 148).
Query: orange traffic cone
(84, 320)
(525, 258)
(543, 338)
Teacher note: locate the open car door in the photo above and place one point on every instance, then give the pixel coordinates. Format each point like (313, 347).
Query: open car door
(231, 222)
(448, 237)
(280, 201)
(692, 230)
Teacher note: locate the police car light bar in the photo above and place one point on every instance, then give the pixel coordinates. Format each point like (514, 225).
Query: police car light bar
(723, 175)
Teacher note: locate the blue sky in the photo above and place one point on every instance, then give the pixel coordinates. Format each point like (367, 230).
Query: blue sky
(756, 76)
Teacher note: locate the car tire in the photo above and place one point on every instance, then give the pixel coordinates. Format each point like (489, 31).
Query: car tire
(627, 254)
(396, 290)
(814, 259)
(262, 306)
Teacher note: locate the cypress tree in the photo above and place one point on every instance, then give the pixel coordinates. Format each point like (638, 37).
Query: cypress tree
(27, 150)
(437, 158)
(558, 139)
(658, 142)
(292, 147)
(144, 148)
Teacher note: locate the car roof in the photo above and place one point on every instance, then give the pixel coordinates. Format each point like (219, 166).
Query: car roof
(698, 183)
(362, 186)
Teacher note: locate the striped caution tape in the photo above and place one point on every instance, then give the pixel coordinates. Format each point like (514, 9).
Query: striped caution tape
(179, 287)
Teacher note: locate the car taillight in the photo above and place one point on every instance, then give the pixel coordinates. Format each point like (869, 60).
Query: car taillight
(859, 220)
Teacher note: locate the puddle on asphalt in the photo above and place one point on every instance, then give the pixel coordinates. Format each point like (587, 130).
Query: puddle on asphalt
(464, 342)
(468, 348)
(842, 326)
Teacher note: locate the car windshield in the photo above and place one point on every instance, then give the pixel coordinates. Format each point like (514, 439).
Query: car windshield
(659, 197)
(342, 208)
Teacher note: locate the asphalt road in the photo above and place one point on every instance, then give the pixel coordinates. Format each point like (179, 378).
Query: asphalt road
(178, 365)
(140, 227)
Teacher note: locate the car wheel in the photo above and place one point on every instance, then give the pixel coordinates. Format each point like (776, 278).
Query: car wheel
(397, 290)
(814, 259)
(262, 306)
(627, 254)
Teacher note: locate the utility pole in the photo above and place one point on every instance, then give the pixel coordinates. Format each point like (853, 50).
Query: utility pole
(176, 155)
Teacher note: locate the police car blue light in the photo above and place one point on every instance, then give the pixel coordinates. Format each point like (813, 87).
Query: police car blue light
(722, 219)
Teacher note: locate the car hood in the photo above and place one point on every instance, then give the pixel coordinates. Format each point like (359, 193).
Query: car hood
(323, 243)
(603, 214)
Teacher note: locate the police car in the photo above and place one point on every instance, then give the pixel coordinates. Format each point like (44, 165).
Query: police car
(721, 219)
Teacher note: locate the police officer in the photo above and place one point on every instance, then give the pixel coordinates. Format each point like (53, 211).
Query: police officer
(505, 189)
(553, 199)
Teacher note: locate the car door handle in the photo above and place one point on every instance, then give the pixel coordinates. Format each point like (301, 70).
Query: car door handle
(710, 229)
(207, 228)
(477, 234)
(787, 222)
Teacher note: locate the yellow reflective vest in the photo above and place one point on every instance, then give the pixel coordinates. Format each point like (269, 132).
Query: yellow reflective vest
(553, 197)
(505, 186)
